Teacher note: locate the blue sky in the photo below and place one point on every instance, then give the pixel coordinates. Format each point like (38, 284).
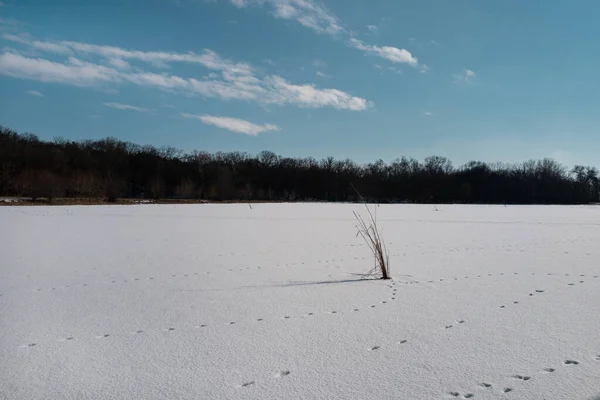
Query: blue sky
(367, 79)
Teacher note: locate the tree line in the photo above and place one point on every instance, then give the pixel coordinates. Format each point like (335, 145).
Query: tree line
(112, 169)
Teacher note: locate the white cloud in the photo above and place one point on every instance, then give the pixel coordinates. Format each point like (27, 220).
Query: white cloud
(322, 75)
(234, 81)
(318, 18)
(319, 63)
(119, 63)
(75, 73)
(424, 69)
(392, 54)
(120, 106)
(311, 97)
(35, 93)
(305, 12)
(428, 113)
(465, 76)
(209, 59)
(233, 124)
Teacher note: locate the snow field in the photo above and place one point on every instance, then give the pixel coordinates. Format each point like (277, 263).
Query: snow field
(227, 302)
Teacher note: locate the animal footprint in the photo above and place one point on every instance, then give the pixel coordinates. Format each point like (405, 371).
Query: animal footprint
(246, 384)
(448, 326)
(455, 394)
(282, 373)
(103, 336)
(571, 362)
(539, 291)
(469, 395)
(403, 341)
(375, 348)
(486, 385)
(507, 390)
(521, 377)
(549, 370)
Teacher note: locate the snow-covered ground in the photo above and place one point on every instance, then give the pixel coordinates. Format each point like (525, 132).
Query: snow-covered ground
(232, 302)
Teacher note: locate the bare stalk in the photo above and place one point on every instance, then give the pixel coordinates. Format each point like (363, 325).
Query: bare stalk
(371, 234)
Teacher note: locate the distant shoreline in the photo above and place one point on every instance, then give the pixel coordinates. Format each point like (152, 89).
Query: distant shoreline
(67, 201)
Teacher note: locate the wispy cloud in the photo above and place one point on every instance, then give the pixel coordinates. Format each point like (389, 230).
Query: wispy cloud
(318, 18)
(424, 69)
(228, 79)
(119, 63)
(322, 74)
(392, 54)
(35, 93)
(428, 114)
(233, 124)
(305, 12)
(120, 106)
(465, 76)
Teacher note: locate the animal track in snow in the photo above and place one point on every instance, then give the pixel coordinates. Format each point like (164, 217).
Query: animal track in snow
(375, 348)
(571, 362)
(486, 385)
(549, 370)
(246, 384)
(282, 373)
(521, 377)
(506, 390)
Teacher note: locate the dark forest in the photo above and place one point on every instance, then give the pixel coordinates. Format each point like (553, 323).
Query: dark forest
(110, 169)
